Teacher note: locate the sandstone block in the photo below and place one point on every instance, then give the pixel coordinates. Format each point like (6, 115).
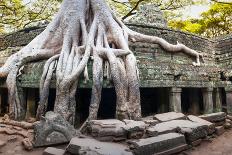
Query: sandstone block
(163, 144)
(192, 130)
(53, 151)
(214, 117)
(135, 129)
(210, 126)
(164, 117)
(220, 130)
(108, 130)
(83, 146)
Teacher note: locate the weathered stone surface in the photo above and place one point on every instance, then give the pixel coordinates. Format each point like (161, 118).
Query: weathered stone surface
(53, 151)
(150, 121)
(160, 129)
(227, 125)
(93, 147)
(197, 142)
(169, 116)
(163, 144)
(192, 130)
(53, 129)
(214, 117)
(107, 130)
(220, 130)
(211, 126)
(229, 117)
(135, 129)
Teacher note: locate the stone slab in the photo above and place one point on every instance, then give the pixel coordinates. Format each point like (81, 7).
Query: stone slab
(214, 117)
(53, 151)
(220, 130)
(171, 142)
(107, 130)
(211, 126)
(192, 130)
(94, 147)
(164, 117)
(135, 129)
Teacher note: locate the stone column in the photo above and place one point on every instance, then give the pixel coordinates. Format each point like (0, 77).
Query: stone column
(175, 99)
(208, 100)
(229, 100)
(218, 101)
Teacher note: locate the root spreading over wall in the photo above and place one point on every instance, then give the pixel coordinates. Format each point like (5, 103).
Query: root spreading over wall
(80, 30)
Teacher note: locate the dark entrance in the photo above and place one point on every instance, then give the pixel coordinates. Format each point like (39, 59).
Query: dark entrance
(192, 101)
(154, 100)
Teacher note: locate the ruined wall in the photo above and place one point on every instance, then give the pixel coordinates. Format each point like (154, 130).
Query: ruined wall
(157, 67)
(223, 47)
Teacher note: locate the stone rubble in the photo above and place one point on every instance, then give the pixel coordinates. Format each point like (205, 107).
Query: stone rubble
(90, 146)
(53, 129)
(53, 151)
(164, 117)
(210, 126)
(135, 129)
(214, 117)
(163, 144)
(220, 130)
(161, 134)
(107, 130)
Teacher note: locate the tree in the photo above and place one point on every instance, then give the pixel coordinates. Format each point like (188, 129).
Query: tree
(17, 15)
(214, 22)
(84, 29)
(127, 8)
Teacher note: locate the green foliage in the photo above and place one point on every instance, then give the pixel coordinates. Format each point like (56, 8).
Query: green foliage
(14, 14)
(214, 22)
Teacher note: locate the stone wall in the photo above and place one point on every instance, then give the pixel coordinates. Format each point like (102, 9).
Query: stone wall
(158, 68)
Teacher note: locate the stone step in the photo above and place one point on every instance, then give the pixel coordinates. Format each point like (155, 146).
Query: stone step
(192, 130)
(162, 145)
(164, 117)
(92, 146)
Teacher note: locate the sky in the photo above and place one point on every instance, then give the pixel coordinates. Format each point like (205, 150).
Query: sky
(193, 11)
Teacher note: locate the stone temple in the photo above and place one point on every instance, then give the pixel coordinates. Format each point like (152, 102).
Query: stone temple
(168, 82)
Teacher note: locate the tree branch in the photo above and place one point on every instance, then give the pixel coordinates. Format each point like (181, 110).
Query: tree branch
(222, 2)
(133, 9)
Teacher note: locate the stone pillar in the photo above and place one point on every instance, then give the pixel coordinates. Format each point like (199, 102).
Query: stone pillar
(175, 99)
(218, 101)
(31, 103)
(229, 100)
(208, 100)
